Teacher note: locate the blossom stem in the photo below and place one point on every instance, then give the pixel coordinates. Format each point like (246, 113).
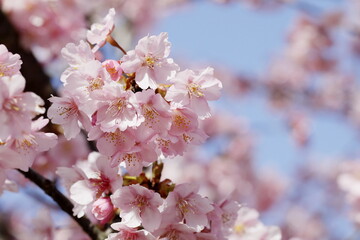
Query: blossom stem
(114, 43)
(50, 189)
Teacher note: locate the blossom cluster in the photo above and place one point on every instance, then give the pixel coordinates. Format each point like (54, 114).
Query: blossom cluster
(138, 109)
(100, 192)
(20, 138)
(179, 212)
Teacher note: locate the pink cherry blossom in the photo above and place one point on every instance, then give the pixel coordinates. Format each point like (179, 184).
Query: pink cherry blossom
(12, 158)
(150, 61)
(189, 206)
(17, 108)
(64, 154)
(173, 230)
(113, 68)
(193, 90)
(80, 58)
(90, 87)
(139, 206)
(205, 236)
(9, 63)
(154, 111)
(222, 218)
(229, 213)
(170, 146)
(77, 55)
(100, 31)
(9, 159)
(125, 232)
(89, 181)
(103, 209)
(29, 143)
(112, 143)
(248, 227)
(139, 156)
(184, 120)
(65, 111)
(116, 110)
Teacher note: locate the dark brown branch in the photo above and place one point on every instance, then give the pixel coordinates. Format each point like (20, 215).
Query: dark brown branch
(50, 189)
(5, 228)
(37, 80)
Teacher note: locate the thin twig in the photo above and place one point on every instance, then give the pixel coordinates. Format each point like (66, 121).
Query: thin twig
(114, 43)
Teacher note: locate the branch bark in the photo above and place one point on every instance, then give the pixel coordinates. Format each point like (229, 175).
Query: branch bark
(50, 189)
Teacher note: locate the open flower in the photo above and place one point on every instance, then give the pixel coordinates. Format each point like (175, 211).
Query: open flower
(9, 63)
(100, 31)
(188, 205)
(125, 232)
(65, 111)
(150, 61)
(193, 90)
(138, 206)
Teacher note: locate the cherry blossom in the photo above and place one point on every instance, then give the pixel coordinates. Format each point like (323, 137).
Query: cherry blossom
(117, 110)
(150, 61)
(193, 90)
(103, 209)
(125, 232)
(18, 108)
(189, 206)
(140, 110)
(9, 159)
(9, 63)
(100, 31)
(90, 181)
(247, 226)
(30, 143)
(138, 206)
(65, 111)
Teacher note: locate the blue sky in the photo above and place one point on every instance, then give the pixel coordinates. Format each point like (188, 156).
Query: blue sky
(245, 41)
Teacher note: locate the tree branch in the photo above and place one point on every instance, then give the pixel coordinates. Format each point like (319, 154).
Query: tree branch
(50, 189)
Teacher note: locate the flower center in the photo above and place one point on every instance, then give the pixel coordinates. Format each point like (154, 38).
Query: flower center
(94, 84)
(181, 122)
(185, 206)
(100, 184)
(195, 90)
(150, 115)
(12, 104)
(116, 107)
(140, 201)
(150, 61)
(239, 229)
(28, 142)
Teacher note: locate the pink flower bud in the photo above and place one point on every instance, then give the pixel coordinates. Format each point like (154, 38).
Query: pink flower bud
(103, 209)
(113, 68)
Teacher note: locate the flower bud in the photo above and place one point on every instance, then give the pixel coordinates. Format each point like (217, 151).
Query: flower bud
(103, 209)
